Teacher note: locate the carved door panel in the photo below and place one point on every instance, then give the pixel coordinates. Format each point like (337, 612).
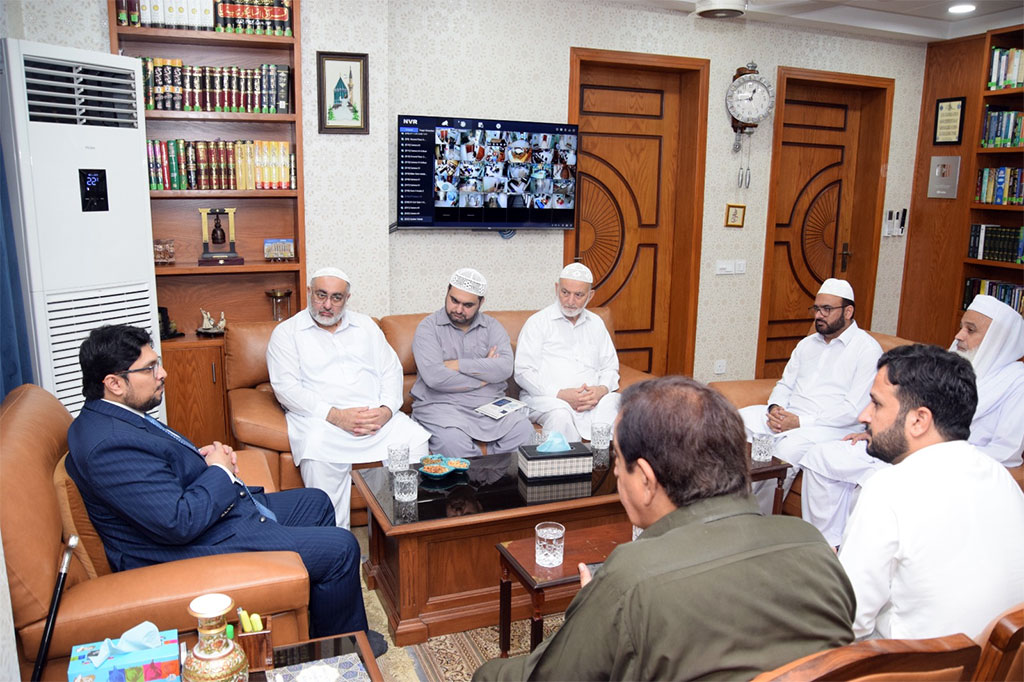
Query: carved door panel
(813, 190)
(628, 225)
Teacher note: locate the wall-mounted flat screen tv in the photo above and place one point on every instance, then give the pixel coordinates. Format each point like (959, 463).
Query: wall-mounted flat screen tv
(483, 174)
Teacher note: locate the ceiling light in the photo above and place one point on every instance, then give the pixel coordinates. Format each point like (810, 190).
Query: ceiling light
(720, 9)
(962, 9)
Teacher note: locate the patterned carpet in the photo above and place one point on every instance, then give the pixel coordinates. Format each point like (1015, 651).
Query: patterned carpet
(454, 658)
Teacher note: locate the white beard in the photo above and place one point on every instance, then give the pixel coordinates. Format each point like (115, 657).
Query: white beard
(570, 313)
(967, 354)
(324, 320)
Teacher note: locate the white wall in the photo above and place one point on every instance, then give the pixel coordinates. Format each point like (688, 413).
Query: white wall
(511, 60)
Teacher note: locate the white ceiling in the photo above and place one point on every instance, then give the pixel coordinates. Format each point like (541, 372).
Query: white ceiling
(916, 20)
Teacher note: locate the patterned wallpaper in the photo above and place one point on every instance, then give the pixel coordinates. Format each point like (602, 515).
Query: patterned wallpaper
(511, 60)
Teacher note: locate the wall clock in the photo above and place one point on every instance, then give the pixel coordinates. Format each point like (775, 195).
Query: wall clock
(750, 99)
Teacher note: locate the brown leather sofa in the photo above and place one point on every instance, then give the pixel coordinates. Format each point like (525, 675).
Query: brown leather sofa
(744, 393)
(258, 421)
(40, 508)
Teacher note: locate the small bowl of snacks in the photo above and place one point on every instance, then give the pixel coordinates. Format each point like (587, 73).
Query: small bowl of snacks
(457, 463)
(435, 466)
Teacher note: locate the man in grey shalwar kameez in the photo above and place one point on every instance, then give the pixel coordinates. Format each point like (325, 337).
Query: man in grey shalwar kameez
(463, 359)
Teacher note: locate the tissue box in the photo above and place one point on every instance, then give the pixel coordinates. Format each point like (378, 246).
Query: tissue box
(543, 490)
(160, 663)
(577, 460)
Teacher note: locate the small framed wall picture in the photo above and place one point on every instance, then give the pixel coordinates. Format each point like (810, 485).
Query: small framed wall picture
(734, 214)
(343, 92)
(949, 120)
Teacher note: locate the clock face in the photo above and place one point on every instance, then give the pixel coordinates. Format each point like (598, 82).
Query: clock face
(750, 98)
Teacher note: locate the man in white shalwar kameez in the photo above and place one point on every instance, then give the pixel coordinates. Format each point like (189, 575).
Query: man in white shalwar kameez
(935, 545)
(991, 336)
(341, 386)
(566, 364)
(823, 388)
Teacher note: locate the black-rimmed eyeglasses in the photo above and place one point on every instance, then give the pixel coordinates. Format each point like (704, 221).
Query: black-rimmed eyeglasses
(151, 367)
(825, 310)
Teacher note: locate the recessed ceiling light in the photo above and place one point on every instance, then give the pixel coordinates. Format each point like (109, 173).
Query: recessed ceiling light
(962, 9)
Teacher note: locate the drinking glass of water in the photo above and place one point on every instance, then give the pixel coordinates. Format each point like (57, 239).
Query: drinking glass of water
(398, 457)
(600, 436)
(762, 448)
(550, 544)
(406, 485)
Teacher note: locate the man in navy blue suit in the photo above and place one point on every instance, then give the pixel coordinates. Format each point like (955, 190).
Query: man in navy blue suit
(155, 497)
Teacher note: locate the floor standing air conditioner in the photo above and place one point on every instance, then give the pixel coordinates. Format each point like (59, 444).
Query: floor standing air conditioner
(74, 145)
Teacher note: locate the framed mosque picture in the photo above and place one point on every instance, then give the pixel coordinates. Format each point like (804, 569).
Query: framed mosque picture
(342, 88)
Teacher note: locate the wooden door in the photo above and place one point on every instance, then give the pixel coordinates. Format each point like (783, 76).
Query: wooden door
(824, 208)
(194, 392)
(642, 122)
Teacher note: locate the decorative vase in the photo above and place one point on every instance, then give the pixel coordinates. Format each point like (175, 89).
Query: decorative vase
(214, 658)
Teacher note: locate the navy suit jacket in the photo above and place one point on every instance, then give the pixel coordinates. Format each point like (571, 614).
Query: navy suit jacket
(153, 499)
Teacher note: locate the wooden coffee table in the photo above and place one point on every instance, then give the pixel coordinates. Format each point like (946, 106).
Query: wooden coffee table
(432, 562)
(321, 648)
(586, 545)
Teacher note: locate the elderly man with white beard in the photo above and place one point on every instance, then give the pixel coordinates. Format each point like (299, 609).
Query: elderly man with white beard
(566, 363)
(341, 386)
(991, 336)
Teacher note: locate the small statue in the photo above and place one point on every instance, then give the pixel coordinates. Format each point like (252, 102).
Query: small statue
(207, 321)
(211, 328)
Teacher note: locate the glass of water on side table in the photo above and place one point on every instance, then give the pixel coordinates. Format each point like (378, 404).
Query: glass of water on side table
(762, 448)
(550, 544)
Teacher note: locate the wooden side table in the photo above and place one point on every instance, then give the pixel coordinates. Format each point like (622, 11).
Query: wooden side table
(586, 545)
(762, 471)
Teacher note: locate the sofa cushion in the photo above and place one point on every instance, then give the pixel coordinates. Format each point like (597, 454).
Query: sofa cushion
(76, 521)
(257, 419)
(399, 331)
(33, 438)
(245, 353)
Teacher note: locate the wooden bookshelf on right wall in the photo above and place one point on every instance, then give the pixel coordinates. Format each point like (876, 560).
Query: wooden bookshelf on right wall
(943, 263)
(992, 237)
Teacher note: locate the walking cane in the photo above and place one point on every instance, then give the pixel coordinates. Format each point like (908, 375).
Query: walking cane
(51, 617)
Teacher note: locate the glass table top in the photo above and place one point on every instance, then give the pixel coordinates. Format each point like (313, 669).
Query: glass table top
(492, 483)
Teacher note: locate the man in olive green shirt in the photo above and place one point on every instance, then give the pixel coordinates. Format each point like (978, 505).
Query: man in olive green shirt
(711, 589)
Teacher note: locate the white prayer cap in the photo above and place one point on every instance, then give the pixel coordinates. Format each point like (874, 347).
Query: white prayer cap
(329, 272)
(469, 280)
(578, 272)
(837, 287)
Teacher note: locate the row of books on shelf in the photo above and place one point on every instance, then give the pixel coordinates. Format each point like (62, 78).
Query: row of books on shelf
(1001, 243)
(170, 85)
(251, 17)
(1006, 68)
(220, 165)
(1000, 186)
(1010, 293)
(1002, 128)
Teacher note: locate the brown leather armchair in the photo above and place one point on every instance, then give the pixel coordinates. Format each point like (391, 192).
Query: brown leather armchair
(40, 508)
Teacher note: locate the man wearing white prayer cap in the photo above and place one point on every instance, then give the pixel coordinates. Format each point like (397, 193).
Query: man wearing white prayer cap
(823, 388)
(341, 386)
(991, 336)
(566, 365)
(463, 361)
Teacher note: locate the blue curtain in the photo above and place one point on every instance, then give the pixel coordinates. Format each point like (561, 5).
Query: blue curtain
(15, 356)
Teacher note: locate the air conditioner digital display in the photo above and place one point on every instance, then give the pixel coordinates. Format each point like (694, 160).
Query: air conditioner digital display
(92, 184)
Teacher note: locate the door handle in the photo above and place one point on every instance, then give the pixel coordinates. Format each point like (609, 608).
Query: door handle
(845, 254)
(213, 371)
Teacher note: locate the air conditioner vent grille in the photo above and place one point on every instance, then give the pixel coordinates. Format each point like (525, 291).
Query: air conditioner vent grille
(72, 315)
(80, 94)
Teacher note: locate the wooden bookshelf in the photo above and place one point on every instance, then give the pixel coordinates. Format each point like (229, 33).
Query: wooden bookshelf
(936, 264)
(195, 365)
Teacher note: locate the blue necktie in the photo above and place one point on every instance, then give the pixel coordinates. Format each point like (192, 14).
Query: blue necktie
(262, 509)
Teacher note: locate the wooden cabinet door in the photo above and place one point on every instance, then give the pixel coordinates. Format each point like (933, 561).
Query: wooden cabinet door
(194, 391)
